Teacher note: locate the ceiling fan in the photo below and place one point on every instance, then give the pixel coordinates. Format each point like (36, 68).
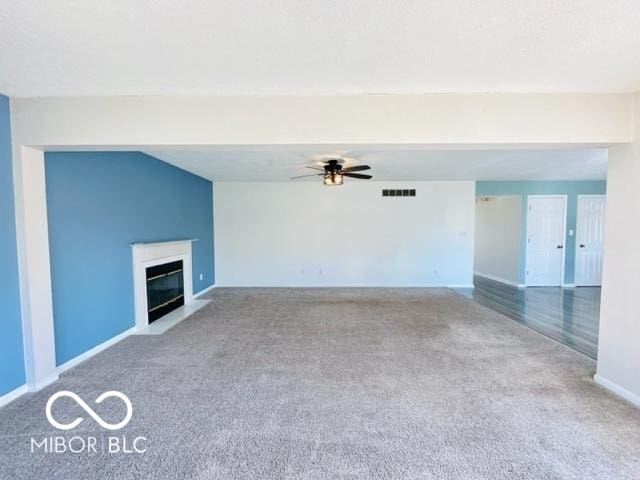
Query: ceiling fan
(333, 172)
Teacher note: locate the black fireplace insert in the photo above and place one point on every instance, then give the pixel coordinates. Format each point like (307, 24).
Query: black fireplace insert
(165, 289)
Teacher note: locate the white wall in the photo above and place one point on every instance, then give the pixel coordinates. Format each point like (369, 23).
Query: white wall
(619, 338)
(306, 234)
(497, 239)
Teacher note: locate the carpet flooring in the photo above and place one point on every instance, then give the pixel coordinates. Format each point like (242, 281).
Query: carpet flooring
(334, 383)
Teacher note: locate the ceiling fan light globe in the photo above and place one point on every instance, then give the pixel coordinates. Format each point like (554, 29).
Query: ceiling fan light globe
(331, 179)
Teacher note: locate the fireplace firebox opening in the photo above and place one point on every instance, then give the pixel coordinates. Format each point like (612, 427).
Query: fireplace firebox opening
(165, 289)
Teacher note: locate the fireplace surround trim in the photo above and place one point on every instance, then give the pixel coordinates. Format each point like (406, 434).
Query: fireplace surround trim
(157, 253)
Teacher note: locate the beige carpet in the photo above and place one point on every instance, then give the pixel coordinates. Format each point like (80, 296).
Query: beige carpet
(337, 383)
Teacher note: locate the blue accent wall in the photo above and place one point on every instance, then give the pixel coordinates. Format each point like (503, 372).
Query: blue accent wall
(99, 203)
(12, 373)
(571, 189)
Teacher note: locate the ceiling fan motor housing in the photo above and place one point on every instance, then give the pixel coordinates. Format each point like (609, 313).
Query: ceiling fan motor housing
(332, 166)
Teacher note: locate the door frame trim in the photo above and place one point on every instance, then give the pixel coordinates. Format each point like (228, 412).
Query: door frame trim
(564, 243)
(575, 249)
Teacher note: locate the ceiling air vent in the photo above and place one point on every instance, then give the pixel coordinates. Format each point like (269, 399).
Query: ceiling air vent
(399, 193)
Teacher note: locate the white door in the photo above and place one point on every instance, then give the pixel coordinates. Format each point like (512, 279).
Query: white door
(546, 221)
(589, 235)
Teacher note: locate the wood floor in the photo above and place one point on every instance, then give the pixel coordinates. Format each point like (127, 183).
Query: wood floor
(568, 315)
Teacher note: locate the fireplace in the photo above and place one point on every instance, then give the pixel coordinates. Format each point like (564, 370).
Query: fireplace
(170, 257)
(165, 289)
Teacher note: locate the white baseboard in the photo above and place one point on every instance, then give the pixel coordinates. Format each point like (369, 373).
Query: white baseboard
(617, 389)
(12, 395)
(97, 349)
(202, 292)
(499, 279)
(29, 387)
(43, 383)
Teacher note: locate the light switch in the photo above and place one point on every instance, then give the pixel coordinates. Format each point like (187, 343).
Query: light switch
(571, 233)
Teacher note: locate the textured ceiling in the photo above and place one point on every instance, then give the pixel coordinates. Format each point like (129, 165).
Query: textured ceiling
(226, 47)
(278, 164)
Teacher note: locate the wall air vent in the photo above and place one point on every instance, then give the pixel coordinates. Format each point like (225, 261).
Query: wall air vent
(399, 193)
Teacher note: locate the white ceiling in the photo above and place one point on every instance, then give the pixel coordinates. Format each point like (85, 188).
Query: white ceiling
(276, 164)
(225, 47)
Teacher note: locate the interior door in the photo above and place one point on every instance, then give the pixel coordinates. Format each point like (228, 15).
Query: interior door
(589, 237)
(546, 222)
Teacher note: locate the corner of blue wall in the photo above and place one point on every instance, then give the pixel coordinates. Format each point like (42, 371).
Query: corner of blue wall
(98, 203)
(12, 371)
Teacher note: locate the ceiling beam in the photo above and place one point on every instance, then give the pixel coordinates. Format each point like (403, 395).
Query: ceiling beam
(438, 119)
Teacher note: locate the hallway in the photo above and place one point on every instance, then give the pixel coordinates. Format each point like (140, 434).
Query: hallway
(567, 315)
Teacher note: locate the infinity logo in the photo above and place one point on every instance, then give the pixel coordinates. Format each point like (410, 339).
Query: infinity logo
(89, 410)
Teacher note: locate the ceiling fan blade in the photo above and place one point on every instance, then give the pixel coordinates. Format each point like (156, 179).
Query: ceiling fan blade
(302, 176)
(356, 168)
(314, 167)
(357, 175)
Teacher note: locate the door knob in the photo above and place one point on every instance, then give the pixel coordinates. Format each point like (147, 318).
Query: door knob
(559, 246)
(582, 245)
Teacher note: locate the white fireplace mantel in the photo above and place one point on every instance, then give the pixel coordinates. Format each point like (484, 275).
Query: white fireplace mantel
(148, 255)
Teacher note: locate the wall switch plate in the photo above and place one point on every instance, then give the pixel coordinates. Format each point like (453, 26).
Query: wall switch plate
(201, 276)
(571, 233)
